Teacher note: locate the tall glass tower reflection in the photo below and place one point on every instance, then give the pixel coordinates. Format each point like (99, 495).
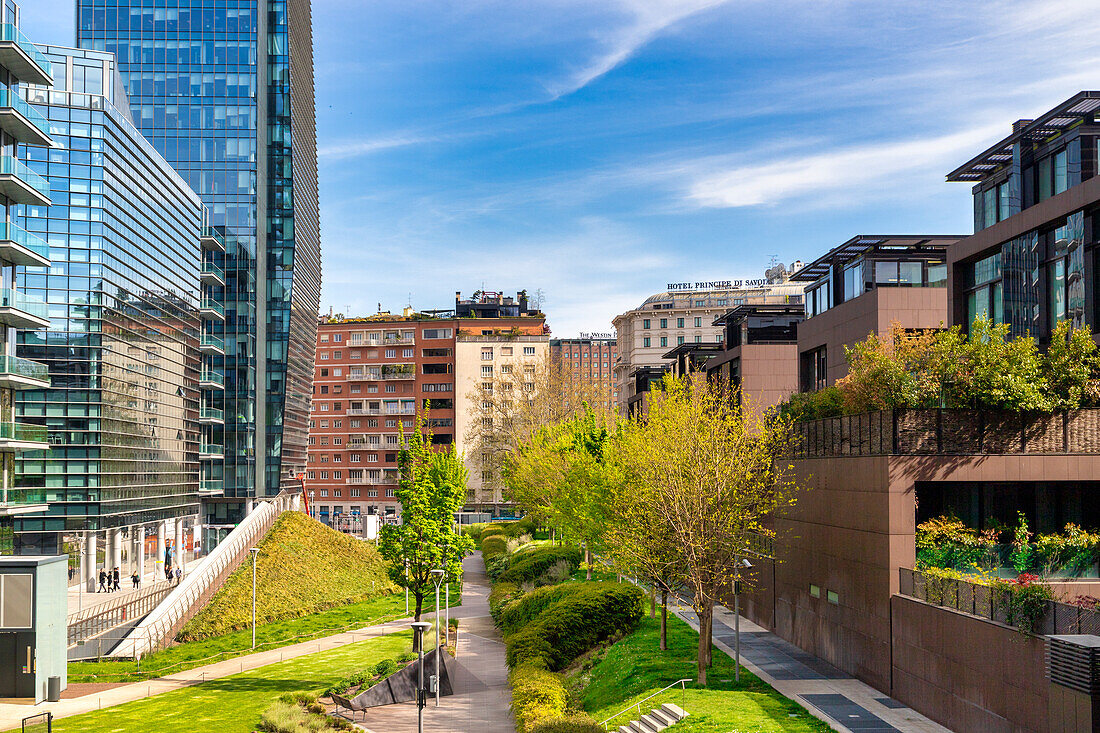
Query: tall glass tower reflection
(224, 90)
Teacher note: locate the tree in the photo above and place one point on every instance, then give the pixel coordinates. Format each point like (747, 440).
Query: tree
(432, 488)
(561, 475)
(516, 404)
(714, 472)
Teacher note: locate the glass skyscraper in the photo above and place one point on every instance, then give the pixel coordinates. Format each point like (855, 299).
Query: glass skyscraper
(123, 292)
(224, 90)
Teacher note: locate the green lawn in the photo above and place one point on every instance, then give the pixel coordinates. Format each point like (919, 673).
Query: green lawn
(633, 668)
(268, 636)
(234, 704)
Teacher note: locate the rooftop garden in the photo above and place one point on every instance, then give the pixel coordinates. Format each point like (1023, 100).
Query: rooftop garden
(949, 369)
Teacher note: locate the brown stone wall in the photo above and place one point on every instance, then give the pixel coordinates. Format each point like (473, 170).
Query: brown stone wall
(968, 673)
(769, 373)
(872, 312)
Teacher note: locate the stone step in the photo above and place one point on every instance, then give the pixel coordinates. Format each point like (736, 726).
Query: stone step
(674, 710)
(652, 724)
(662, 717)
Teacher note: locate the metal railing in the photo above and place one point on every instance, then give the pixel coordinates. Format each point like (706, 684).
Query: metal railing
(213, 378)
(157, 629)
(8, 32)
(216, 237)
(638, 705)
(950, 432)
(209, 304)
(14, 167)
(990, 603)
(211, 341)
(24, 368)
(14, 233)
(23, 432)
(94, 621)
(19, 301)
(209, 268)
(211, 449)
(8, 98)
(211, 413)
(374, 412)
(40, 723)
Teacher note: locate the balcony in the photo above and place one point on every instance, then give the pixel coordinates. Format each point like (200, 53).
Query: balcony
(20, 247)
(211, 310)
(22, 121)
(399, 372)
(376, 412)
(211, 344)
(211, 452)
(372, 481)
(19, 56)
(211, 416)
(210, 487)
(16, 373)
(211, 380)
(22, 311)
(394, 341)
(17, 436)
(22, 185)
(212, 241)
(212, 274)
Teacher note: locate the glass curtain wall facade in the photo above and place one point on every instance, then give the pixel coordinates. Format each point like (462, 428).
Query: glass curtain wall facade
(224, 90)
(20, 125)
(123, 293)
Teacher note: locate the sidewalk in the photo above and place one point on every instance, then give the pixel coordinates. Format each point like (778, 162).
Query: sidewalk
(845, 703)
(482, 699)
(12, 714)
(80, 598)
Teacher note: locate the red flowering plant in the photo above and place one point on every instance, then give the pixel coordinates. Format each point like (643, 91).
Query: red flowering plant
(1025, 601)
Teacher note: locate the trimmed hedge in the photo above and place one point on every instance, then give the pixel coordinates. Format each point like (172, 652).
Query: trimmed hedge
(537, 696)
(534, 564)
(574, 624)
(493, 545)
(530, 606)
(570, 724)
(501, 597)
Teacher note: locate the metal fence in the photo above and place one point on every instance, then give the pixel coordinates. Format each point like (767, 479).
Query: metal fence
(94, 621)
(989, 602)
(950, 432)
(41, 723)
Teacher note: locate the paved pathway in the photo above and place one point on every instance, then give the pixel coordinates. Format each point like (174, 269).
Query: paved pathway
(11, 714)
(482, 699)
(839, 699)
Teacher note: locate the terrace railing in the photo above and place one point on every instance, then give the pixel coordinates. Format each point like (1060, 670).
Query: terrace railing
(950, 432)
(987, 602)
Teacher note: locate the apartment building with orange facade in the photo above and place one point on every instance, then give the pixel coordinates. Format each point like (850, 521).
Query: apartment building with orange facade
(373, 376)
(589, 358)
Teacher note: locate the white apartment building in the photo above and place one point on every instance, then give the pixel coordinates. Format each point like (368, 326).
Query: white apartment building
(685, 313)
(486, 359)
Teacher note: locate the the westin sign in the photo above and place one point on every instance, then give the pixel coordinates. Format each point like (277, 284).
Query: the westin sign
(718, 284)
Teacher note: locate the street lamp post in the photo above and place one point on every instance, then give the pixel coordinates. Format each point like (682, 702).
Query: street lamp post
(255, 551)
(437, 576)
(419, 627)
(742, 564)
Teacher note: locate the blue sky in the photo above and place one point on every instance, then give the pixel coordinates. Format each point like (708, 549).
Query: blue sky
(597, 150)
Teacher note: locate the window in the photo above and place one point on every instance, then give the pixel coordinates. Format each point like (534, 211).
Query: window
(700, 303)
(437, 333)
(664, 341)
(813, 366)
(487, 354)
(833, 597)
(664, 323)
(505, 350)
(698, 322)
(337, 337)
(679, 340)
(355, 458)
(1044, 172)
(1061, 174)
(698, 339)
(815, 590)
(853, 279)
(818, 299)
(645, 342)
(487, 371)
(645, 323)
(407, 353)
(528, 350)
(1056, 274)
(989, 207)
(679, 323)
(391, 353)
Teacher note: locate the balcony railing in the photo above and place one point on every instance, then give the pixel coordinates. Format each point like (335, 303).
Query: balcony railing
(399, 374)
(950, 432)
(374, 412)
(211, 484)
(211, 450)
(22, 117)
(17, 367)
(211, 341)
(211, 414)
(10, 166)
(19, 301)
(372, 481)
(213, 240)
(9, 34)
(23, 432)
(212, 378)
(393, 341)
(211, 269)
(209, 304)
(17, 235)
(989, 602)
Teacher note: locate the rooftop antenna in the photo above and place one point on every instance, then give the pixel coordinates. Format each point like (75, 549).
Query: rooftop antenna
(379, 307)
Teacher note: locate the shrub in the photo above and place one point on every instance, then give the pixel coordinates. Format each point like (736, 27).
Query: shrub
(1025, 602)
(536, 563)
(288, 716)
(385, 667)
(346, 683)
(537, 695)
(493, 545)
(570, 724)
(827, 402)
(496, 565)
(528, 607)
(501, 596)
(945, 542)
(1074, 550)
(578, 621)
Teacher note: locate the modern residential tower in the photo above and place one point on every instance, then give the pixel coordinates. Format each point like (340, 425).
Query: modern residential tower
(225, 92)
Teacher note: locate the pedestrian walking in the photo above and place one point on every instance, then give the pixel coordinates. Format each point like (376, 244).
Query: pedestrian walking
(102, 581)
(72, 572)
(116, 579)
(179, 575)
(135, 579)
(167, 572)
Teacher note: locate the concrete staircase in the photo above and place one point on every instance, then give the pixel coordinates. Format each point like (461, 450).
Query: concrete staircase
(656, 720)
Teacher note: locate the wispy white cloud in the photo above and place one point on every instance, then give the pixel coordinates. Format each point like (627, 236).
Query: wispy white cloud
(341, 150)
(864, 168)
(646, 19)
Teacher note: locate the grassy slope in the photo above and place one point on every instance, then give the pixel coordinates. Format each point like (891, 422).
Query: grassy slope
(268, 636)
(234, 704)
(302, 567)
(633, 668)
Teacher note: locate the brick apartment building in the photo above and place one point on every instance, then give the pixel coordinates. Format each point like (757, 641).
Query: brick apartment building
(590, 358)
(373, 376)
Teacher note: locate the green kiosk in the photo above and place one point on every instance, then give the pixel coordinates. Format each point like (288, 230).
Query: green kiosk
(33, 614)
